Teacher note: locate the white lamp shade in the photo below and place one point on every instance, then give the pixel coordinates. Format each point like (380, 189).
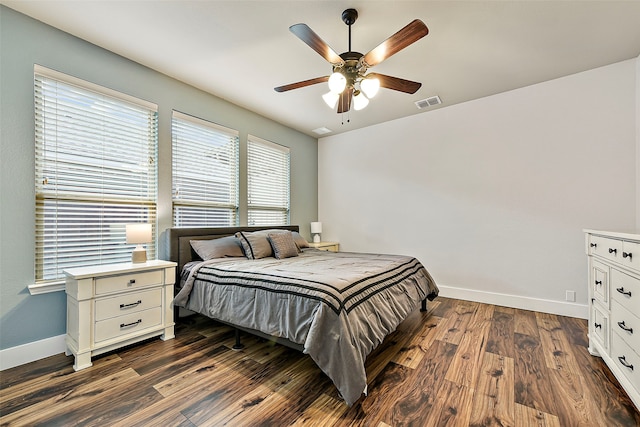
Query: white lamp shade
(139, 233)
(360, 101)
(370, 86)
(337, 83)
(316, 227)
(331, 99)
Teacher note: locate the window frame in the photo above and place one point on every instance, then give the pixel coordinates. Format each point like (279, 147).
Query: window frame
(202, 199)
(58, 108)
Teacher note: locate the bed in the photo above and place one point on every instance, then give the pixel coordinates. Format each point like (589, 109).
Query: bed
(335, 306)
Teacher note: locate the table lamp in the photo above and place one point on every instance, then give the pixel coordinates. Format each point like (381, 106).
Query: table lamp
(139, 234)
(316, 229)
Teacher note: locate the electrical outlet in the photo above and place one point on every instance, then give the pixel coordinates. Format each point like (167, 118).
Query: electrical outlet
(570, 296)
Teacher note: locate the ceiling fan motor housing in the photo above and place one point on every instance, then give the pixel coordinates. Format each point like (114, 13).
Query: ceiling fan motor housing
(349, 16)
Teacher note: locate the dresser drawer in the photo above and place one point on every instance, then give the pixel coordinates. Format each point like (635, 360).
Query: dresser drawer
(605, 247)
(625, 359)
(626, 324)
(131, 302)
(599, 327)
(600, 282)
(625, 289)
(110, 284)
(127, 324)
(631, 255)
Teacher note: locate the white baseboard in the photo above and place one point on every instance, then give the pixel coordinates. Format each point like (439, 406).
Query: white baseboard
(30, 352)
(562, 308)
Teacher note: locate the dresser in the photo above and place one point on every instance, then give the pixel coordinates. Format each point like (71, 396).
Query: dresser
(326, 246)
(614, 304)
(110, 306)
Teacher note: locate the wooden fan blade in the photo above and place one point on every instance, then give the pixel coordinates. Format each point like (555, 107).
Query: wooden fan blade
(314, 41)
(411, 33)
(344, 103)
(303, 83)
(396, 83)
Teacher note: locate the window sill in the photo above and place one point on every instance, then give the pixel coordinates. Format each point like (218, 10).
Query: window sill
(45, 288)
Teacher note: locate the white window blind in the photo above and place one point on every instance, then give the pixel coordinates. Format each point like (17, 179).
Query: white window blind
(268, 182)
(205, 173)
(95, 172)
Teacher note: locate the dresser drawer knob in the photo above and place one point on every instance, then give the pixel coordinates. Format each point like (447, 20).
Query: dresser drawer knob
(597, 325)
(131, 282)
(625, 363)
(126, 325)
(613, 251)
(598, 282)
(133, 304)
(593, 245)
(624, 327)
(623, 292)
(626, 254)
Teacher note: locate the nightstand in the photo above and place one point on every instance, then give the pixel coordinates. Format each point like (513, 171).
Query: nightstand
(114, 305)
(326, 246)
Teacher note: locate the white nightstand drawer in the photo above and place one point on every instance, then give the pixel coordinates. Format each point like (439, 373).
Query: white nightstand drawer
(127, 324)
(625, 289)
(625, 359)
(131, 302)
(109, 284)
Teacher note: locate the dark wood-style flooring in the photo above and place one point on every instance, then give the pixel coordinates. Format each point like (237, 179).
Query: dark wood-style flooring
(460, 364)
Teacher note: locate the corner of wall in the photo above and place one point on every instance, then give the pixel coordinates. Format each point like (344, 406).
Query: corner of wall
(638, 143)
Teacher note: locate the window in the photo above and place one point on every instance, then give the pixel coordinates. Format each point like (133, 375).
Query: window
(205, 173)
(95, 172)
(268, 182)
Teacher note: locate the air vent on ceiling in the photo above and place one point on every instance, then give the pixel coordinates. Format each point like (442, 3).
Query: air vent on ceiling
(321, 131)
(429, 102)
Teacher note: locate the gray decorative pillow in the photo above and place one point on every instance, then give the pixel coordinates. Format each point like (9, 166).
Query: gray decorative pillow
(255, 244)
(283, 245)
(217, 248)
(301, 242)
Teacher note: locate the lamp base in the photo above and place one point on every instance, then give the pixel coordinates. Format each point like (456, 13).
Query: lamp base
(316, 238)
(139, 255)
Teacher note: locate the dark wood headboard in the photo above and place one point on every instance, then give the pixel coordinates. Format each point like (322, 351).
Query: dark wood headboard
(175, 245)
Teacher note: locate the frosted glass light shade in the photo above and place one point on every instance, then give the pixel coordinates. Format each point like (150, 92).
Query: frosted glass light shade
(370, 86)
(138, 234)
(331, 99)
(337, 83)
(360, 101)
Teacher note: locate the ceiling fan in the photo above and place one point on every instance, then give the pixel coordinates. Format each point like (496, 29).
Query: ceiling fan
(349, 80)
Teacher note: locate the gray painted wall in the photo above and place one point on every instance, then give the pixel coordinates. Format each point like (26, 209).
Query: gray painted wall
(25, 42)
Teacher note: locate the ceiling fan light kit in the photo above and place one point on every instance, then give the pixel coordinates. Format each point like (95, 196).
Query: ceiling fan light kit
(349, 82)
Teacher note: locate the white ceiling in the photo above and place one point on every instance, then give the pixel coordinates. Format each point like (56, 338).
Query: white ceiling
(240, 50)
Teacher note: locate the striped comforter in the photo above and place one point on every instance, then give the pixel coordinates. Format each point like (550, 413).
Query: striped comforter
(338, 305)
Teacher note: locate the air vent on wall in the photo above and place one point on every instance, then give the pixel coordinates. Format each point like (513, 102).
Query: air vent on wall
(429, 102)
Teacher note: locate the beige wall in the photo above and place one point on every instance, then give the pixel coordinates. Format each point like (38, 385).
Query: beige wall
(492, 195)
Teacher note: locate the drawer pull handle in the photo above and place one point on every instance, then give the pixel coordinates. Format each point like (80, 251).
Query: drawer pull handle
(598, 282)
(622, 291)
(593, 245)
(133, 304)
(625, 363)
(597, 325)
(624, 327)
(126, 325)
(131, 282)
(613, 251)
(626, 254)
